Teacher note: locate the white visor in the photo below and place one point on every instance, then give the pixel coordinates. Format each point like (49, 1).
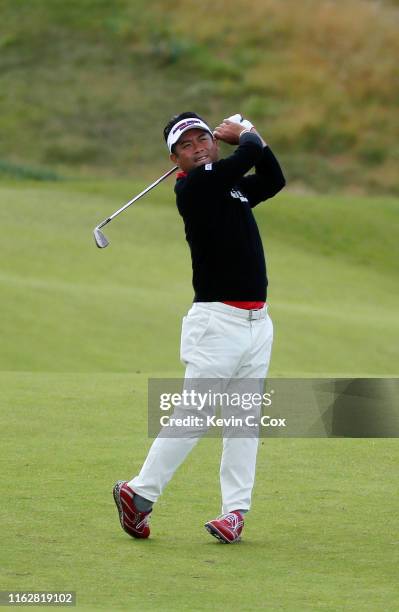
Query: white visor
(184, 125)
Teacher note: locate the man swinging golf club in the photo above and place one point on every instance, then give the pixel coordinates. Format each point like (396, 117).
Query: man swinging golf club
(227, 333)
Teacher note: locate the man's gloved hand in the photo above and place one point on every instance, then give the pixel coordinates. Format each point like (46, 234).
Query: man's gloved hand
(229, 130)
(245, 124)
(240, 119)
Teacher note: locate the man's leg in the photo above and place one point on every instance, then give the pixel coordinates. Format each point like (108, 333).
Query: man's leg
(163, 459)
(134, 499)
(238, 463)
(198, 353)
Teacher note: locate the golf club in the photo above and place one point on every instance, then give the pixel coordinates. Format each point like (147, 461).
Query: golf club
(99, 238)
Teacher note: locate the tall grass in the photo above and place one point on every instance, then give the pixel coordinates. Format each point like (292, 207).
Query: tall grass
(89, 85)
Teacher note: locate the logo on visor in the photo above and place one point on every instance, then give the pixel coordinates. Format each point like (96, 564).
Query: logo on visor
(185, 124)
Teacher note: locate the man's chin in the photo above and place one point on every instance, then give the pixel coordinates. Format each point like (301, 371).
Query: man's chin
(202, 162)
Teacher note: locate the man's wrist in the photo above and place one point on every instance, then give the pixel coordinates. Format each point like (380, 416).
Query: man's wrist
(245, 131)
(250, 136)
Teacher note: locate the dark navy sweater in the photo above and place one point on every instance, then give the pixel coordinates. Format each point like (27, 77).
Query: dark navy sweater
(216, 201)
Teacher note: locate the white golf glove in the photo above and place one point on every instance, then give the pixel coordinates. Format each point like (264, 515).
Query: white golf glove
(240, 119)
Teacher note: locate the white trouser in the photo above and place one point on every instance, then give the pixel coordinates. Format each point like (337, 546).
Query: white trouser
(224, 342)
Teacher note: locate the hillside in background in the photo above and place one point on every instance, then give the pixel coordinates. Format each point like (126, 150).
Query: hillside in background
(86, 86)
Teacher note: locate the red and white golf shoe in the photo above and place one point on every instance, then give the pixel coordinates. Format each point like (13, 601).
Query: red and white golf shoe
(227, 528)
(135, 523)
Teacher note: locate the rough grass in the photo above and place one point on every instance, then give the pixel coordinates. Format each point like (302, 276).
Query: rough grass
(87, 87)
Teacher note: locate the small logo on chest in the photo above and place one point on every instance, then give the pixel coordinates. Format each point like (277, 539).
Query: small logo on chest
(237, 194)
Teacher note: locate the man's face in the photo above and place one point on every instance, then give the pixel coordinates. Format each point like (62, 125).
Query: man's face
(195, 148)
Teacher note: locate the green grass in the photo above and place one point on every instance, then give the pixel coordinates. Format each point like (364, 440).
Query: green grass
(23, 172)
(83, 329)
(67, 306)
(86, 87)
(321, 535)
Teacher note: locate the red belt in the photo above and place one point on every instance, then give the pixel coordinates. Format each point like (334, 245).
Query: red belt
(246, 305)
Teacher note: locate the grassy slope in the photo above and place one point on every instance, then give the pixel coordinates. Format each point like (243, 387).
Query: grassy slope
(321, 535)
(86, 87)
(69, 307)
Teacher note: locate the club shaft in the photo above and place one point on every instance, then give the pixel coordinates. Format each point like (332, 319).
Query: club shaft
(137, 197)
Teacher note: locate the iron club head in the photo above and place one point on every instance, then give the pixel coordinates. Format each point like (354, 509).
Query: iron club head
(99, 238)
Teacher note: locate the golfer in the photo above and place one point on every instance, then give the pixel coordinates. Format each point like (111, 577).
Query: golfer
(227, 333)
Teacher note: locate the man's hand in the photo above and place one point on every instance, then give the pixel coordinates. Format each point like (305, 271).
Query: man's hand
(228, 131)
(225, 132)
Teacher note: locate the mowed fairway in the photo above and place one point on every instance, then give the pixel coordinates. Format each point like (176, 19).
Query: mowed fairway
(83, 329)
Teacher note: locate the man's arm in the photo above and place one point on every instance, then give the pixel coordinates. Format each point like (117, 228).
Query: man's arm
(267, 180)
(226, 172)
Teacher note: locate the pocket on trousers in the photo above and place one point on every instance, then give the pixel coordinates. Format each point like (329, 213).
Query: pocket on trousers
(194, 329)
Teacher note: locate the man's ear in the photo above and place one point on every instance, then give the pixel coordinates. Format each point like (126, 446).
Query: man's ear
(174, 158)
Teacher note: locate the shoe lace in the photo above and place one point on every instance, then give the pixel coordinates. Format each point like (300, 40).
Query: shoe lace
(232, 520)
(144, 521)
